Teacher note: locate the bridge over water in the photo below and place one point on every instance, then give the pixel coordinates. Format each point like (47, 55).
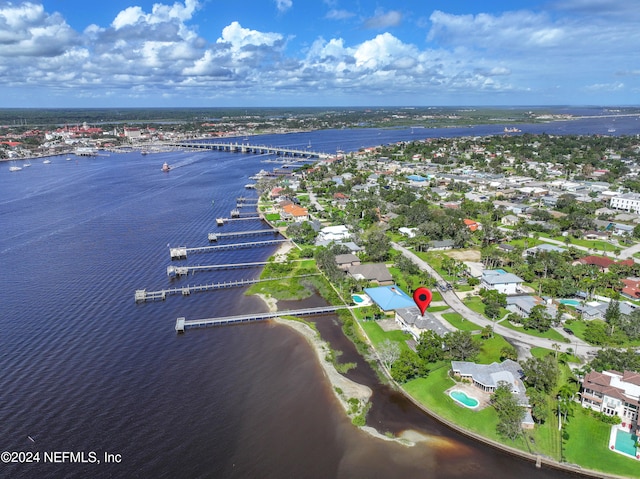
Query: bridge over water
(248, 148)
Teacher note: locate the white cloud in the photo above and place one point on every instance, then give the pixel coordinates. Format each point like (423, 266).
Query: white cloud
(284, 5)
(26, 30)
(336, 14)
(382, 19)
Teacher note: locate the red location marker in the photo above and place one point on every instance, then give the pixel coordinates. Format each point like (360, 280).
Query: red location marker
(422, 296)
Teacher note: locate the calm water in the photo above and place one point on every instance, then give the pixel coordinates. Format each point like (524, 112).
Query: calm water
(85, 369)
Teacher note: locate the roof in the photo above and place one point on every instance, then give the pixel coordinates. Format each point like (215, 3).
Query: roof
(347, 258)
(490, 375)
(491, 277)
(371, 271)
(412, 317)
(390, 298)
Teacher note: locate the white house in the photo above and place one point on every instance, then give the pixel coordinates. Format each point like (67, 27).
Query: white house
(614, 394)
(626, 202)
(333, 233)
(501, 281)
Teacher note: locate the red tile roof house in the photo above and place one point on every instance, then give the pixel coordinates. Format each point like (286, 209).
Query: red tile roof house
(472, 225)
(602, 262)
(631, 288)
(614, 394)
(275, 193)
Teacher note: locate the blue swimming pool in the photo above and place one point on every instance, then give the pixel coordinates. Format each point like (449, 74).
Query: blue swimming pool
(462, 398)
(570, 302)
(626, 442)
(357, 299)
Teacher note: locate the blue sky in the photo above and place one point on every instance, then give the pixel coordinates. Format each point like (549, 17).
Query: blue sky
(139, 53)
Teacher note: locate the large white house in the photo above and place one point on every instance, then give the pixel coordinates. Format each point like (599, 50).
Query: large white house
(626, 202)
(614, 394)
(501, 281)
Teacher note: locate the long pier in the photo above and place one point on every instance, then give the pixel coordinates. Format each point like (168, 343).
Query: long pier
(182, 252)
(182, 323)
(222, 221)
(233, 234)
(248, 148)
(142, 295)
(173, 271)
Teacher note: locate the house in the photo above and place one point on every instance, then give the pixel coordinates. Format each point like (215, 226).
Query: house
(390, 298)
(471, 224)
(522, 305)
(602, 262)
(509, 220)
(344, 261)
(487, 377)
(372, 272)
(614, 394)
(410, 320)
(631, 288)
(333, 233)
(409, 232)
(501, 281)
(542, 248)
(441, 245)
(596, 310)
(295, 213)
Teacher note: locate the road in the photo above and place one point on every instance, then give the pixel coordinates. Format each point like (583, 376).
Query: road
(522, 341)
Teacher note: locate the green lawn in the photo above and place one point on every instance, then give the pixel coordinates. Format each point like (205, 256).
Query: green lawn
(457, 321)
(377, 335)
(490, 351)
(551, 333)
(588, 445)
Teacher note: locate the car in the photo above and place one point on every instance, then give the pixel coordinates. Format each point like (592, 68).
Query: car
(568, 331)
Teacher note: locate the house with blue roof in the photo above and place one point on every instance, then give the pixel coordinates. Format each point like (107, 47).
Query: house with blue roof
(389, 298)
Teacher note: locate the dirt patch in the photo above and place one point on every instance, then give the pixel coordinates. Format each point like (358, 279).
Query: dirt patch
(464, 255)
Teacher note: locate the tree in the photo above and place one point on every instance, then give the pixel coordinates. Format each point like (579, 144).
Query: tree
(541, 373)
(429, 346)
(510, 413)
(538, 319)
(376, 243)
(539, 405)
(408, 366)
(388, 352)
(612, 316)
(460, 345)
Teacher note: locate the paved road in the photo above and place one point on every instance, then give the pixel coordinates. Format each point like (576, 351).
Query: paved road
(522, 341)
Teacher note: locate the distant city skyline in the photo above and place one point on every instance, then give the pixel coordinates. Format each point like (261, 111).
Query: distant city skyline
(214, 53)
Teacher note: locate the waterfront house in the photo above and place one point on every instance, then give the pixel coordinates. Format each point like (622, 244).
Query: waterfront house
(614, 394)
(345, 261)
(390, 298)
(487, 377)
(410, 320)
(371, 272)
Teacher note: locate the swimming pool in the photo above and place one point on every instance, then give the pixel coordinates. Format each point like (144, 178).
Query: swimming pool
(357, 299)
(626, 442)
(570, 302)
(462, 398)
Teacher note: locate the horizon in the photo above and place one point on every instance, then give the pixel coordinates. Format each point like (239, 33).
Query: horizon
(320, 53)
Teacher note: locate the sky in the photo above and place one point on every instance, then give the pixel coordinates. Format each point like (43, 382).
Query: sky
(244, 53)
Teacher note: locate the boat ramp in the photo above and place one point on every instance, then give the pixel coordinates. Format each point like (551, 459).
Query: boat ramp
(182, 323)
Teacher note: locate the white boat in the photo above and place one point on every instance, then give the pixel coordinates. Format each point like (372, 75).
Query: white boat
(68, 158)
(27, 164)
(14, 168)
(166, 167)
(46, 162)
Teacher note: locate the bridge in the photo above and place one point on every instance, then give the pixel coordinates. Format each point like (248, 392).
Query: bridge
(248, 148)
(183, 323)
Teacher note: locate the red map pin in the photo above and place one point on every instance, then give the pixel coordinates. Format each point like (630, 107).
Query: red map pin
(422, 296)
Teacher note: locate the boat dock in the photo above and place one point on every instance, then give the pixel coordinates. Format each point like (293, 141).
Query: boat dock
(222, 221)
(181, 252)
(236, 213)
(142, 295)
(182, 323)
(173, 271)
(217, 236)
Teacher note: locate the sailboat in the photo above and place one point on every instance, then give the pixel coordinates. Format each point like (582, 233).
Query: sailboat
(14, 167)
(27, 164)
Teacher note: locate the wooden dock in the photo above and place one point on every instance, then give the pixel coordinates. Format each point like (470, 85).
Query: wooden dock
(182, 251)
(182, 323)
(217, 236)
(173, 271)
(222, 221)
(142, 295)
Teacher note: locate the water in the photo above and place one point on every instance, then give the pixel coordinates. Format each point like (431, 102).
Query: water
(85, 369)
(463, 399)
(626, 442)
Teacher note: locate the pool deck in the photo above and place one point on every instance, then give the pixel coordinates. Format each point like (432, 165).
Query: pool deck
(612, 440)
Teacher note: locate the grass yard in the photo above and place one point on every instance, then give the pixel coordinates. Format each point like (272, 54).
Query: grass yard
(588, 445)
(377, 335)
(551, 333)
(490, 350)
(457, 321)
